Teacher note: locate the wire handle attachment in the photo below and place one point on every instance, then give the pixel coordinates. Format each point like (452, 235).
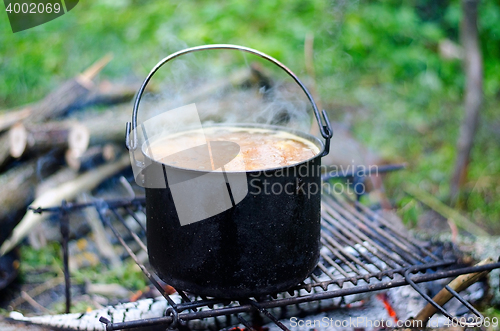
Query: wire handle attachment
(325, 127)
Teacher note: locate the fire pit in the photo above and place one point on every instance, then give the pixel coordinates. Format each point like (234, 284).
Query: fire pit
(361, 252)
(233, 242)
(345, 250)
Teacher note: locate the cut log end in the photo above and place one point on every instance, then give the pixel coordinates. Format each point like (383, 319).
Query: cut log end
(18, 140)
(78, 140)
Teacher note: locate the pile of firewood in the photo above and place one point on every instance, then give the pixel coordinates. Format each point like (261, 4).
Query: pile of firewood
(47, 147)
(57, 148)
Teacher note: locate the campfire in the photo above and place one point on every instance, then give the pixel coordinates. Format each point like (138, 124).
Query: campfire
(370, 272)
(359, 280)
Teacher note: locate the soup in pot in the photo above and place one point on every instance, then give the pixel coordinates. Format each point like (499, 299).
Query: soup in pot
(259, 149)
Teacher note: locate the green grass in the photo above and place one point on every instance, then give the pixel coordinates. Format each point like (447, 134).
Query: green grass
(379, 56)
(49, 258)
(40, 265)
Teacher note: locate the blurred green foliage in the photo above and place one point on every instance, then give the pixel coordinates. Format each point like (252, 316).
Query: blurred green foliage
(49, 258)
(41, 265)
(377, 67)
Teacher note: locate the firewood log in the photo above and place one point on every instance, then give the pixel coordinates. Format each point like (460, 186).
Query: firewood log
(56, 103)
(59, 101)
(99, 128)
(109, 126)
(69, 94)
(40, 138)
(4, 150)
(92, 157)
(66, 191)
(76, 134)
(20, 183)
(458, 284)
(37, 239)
(9, 118)
(110, 93)
(56, 179)
(18, 188)
(106, 93)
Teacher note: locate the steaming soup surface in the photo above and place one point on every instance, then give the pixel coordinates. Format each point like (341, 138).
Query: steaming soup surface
(259, 148)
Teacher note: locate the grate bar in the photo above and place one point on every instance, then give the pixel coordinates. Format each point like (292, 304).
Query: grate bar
(339, 247)
(133, 234)
(268, 314)
(312, 297)
(374, 229)
(360, 234)
(330, 245)
(325, 270)
(356, 240)
(335, 265)
(134, 216)
(136, 260)
(64, 229)
(352, 244)
(360, 242)
(401, 236)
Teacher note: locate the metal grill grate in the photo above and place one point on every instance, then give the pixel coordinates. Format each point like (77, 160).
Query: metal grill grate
(361, 252)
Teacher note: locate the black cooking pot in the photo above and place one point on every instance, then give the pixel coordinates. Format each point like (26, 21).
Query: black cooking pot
(266, 242)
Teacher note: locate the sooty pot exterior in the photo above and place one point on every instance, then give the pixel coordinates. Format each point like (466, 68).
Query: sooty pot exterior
(266, 243)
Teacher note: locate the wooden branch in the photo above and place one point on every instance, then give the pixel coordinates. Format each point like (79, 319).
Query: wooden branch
(55, 180)
(448, 212)
(473, 64)
(17, 189)
(37, 239)
(59, 101)
(37, 139)
(9, 118)
(309, 63)
(19, 185)
(458, 284)
(309, 54)
(66, 191)
(65, 96)
(4, 150)
(99, 128)
(34, 303)
(49, 284)
(102, 242)
(89, 74)
(92, 157)
(108, 93)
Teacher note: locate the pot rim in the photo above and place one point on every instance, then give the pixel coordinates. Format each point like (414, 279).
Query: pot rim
(315, 140)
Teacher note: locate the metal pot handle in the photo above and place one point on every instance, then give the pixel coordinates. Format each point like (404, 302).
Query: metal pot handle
(325, 128)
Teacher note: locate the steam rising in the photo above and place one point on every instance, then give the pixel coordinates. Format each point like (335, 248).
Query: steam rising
(229, 86)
